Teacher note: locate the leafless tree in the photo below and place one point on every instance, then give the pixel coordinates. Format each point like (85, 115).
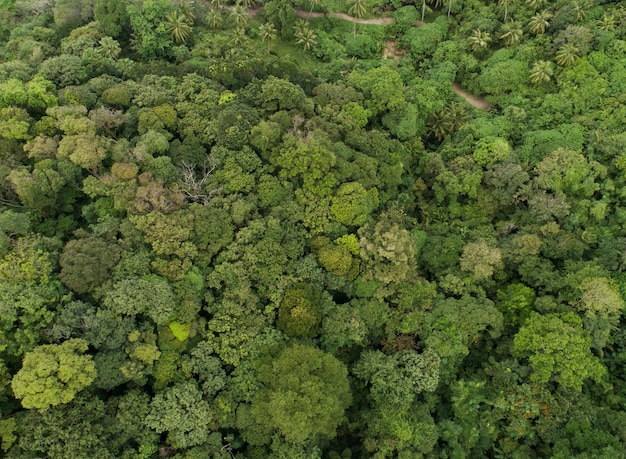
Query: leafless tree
(195, 180)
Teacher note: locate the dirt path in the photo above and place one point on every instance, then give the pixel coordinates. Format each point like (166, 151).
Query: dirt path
(376, 21)
(390, 51)
(474, 101)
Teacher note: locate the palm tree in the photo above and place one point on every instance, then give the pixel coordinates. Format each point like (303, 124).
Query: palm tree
(607, 23)
(541, 72)
(313, 3)
(217, 4)
(535, 4)
(299, 26)
(267, 32)
(505, 3)
(539, 22)
(567, 55)
(449, 4)
(239, 35)
(187, 8)
(178, 26)
(240, 16)
(511, 33)
(357, 10)
(479, 40)
(214, 18)
(246, 3)
(306, 38)
(580, 7)
(446, 121)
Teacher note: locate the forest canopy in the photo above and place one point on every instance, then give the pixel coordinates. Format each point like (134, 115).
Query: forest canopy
(312, 229)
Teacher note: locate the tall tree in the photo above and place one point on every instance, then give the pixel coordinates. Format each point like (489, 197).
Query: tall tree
(558, 349)
(268, 33)
(539, 22)
(511, 33)
(567, 55)
(358, 10)
(541, 72)
(308, 404)
(505, 4)
(479, 40)
(306, 38)
(53, 374)
(240, 15)
(179, 26)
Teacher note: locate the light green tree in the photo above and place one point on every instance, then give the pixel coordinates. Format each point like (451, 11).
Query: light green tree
(353, 204)
(53, 374)
(182, 413)
(305, 396)
(558, 349)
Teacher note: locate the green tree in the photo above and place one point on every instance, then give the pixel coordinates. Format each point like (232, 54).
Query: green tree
(151, 38)
(357, 9)
(179, 26)
(240, 15)
(87, 263)
(535, 4)
(182, 413)
(353, 204)
(449, 4)
(150, 295)
(541, 72)
(214, 18)
(505, 4)
(479, 40)
(395, 380)
(581, 7)
(306, 38)
(53, 374)
(387, 251)
(310, 403)
(607, 23)
(558, 349)
(511, 33)
(111, 14)
(300, 311)
(29, 293)
(540, 22)
(268, 33)
(567, 54)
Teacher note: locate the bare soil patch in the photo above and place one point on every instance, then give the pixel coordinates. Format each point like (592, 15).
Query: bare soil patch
(475, 101)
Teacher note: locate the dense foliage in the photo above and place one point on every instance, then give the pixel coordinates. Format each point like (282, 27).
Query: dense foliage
(278, 231)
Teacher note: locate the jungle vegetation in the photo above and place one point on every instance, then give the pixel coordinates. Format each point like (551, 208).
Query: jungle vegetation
(304, 229)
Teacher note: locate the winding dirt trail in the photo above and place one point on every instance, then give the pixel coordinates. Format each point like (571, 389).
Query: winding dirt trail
(390, 48)
(375, 21)
(474, 101)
